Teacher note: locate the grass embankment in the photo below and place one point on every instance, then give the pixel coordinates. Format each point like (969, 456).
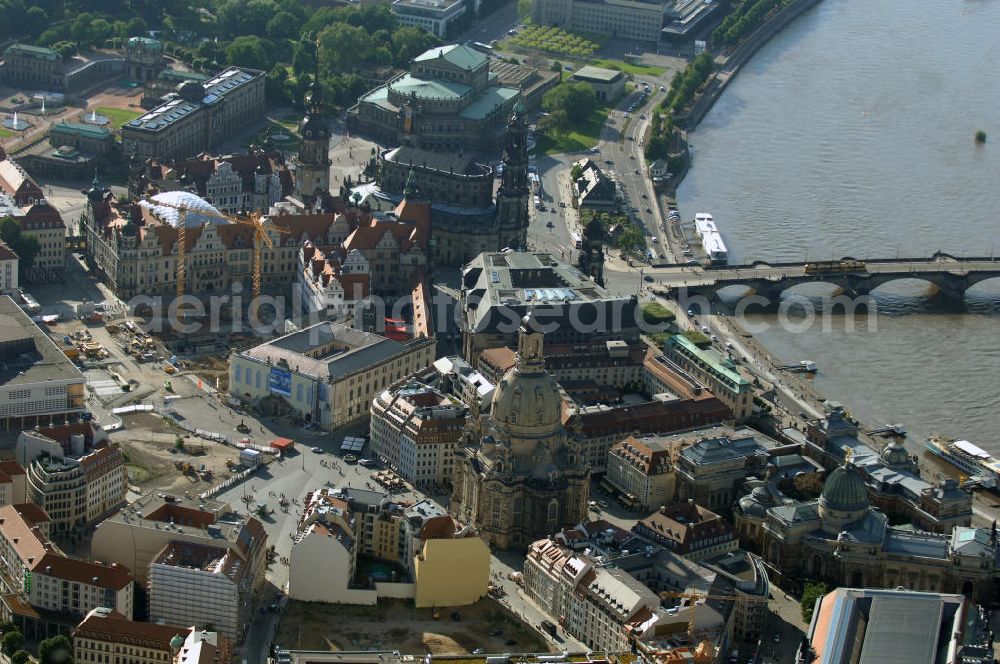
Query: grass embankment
(118, 116)
(636, 69)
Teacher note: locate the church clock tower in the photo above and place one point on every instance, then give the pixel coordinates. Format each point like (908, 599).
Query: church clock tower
(512, 197)
(312, 164)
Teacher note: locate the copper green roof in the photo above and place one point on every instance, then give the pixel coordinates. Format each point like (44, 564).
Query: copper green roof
(38, 52)
(715, 362)
(458, 55)
(80, 129)
(488, 102)
(844, 490)
(423, 88)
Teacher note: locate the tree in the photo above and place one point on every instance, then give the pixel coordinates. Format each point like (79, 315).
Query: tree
(135, 27)
(343, 47)
(575, 172)
(249, 51)
(283, 26)
(576, 99)
(25, 246)
(20, 657)
(12, 642)
(80, 30)
(408, 42)
(56, 650)
(811, 593)
(556, 122)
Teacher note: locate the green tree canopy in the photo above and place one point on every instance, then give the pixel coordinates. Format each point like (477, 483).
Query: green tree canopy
(575, 99)
(250, 52)
(56, 650)
(811, 593)
(283, 25)
(408, 42)
(20, 657)
(12, 642)
(25, 246)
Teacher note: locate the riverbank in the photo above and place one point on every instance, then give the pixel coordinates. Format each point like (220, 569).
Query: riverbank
(730, 67)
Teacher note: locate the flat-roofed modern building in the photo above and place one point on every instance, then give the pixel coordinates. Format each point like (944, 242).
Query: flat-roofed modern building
(448, 102)
(434, 16)
(643, 20)
(38, 383)
(499, 288)
(608, 84)
(326, 373)
(872, 626)
(201, 116)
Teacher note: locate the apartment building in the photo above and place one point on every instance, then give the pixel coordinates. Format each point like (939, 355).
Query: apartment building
(414, 429)
(9, 262)
(12, 483)
(326, 373)
(689, 530)
(23, 200)
(204, 647)
(201, 584)
(107, 637)
(38, 383)
(437, 560)
(42, 586)
(137, 534)
(642, 470)
(633, 20)
(77, 491)
(199, 118)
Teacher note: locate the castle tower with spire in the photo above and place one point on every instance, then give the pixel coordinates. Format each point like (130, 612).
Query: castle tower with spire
(512, 197)
(312, 163)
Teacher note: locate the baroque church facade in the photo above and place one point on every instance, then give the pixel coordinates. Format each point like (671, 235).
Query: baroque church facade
(520, 475)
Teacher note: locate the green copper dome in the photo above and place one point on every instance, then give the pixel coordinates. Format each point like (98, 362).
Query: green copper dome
(844, 491)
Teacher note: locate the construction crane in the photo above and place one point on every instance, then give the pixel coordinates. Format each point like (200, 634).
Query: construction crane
(694, 597)
(261, 238)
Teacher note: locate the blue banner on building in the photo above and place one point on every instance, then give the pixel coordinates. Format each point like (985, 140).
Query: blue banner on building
(280, 382)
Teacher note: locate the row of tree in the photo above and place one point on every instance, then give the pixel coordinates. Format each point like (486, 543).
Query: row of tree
(55, 650)
(743, 20)
(686, 82)
(260, 34)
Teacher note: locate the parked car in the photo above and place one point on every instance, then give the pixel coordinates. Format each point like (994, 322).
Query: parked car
(350, 458)
(366, 462)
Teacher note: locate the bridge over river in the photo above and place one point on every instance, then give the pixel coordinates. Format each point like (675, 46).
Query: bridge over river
(949, 276)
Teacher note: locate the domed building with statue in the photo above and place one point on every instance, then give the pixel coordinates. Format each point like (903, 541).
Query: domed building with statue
(843, 539)
(519, 474)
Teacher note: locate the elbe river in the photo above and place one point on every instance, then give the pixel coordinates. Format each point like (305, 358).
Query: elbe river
(851, 133)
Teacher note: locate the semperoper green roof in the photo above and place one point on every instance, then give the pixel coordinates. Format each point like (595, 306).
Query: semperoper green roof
(488, 102)
(80, 129)
(423, 88)
(458, 55)
(37, 52)
(597, 74)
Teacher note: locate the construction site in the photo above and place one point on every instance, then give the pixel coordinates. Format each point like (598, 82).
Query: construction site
(394, 624)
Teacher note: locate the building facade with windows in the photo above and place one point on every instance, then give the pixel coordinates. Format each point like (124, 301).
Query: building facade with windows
(107, 637)
(9, 262)
(636, 20)
(688, 530)
(203, 115)
(38, 383)
(414, 430)
(448, 102)
(44, 588)
(433, 16)
(644, 468)
(718, 372)
(326, 373)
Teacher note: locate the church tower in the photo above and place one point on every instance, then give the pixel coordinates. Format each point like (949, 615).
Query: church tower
(312, 164)
(512, 197)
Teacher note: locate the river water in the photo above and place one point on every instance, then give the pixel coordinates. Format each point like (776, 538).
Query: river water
(851, 134)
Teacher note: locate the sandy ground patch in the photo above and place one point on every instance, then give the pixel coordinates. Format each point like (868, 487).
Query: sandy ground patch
(397, 625)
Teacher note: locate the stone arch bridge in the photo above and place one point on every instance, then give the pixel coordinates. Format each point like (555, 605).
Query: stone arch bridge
(949, 276)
